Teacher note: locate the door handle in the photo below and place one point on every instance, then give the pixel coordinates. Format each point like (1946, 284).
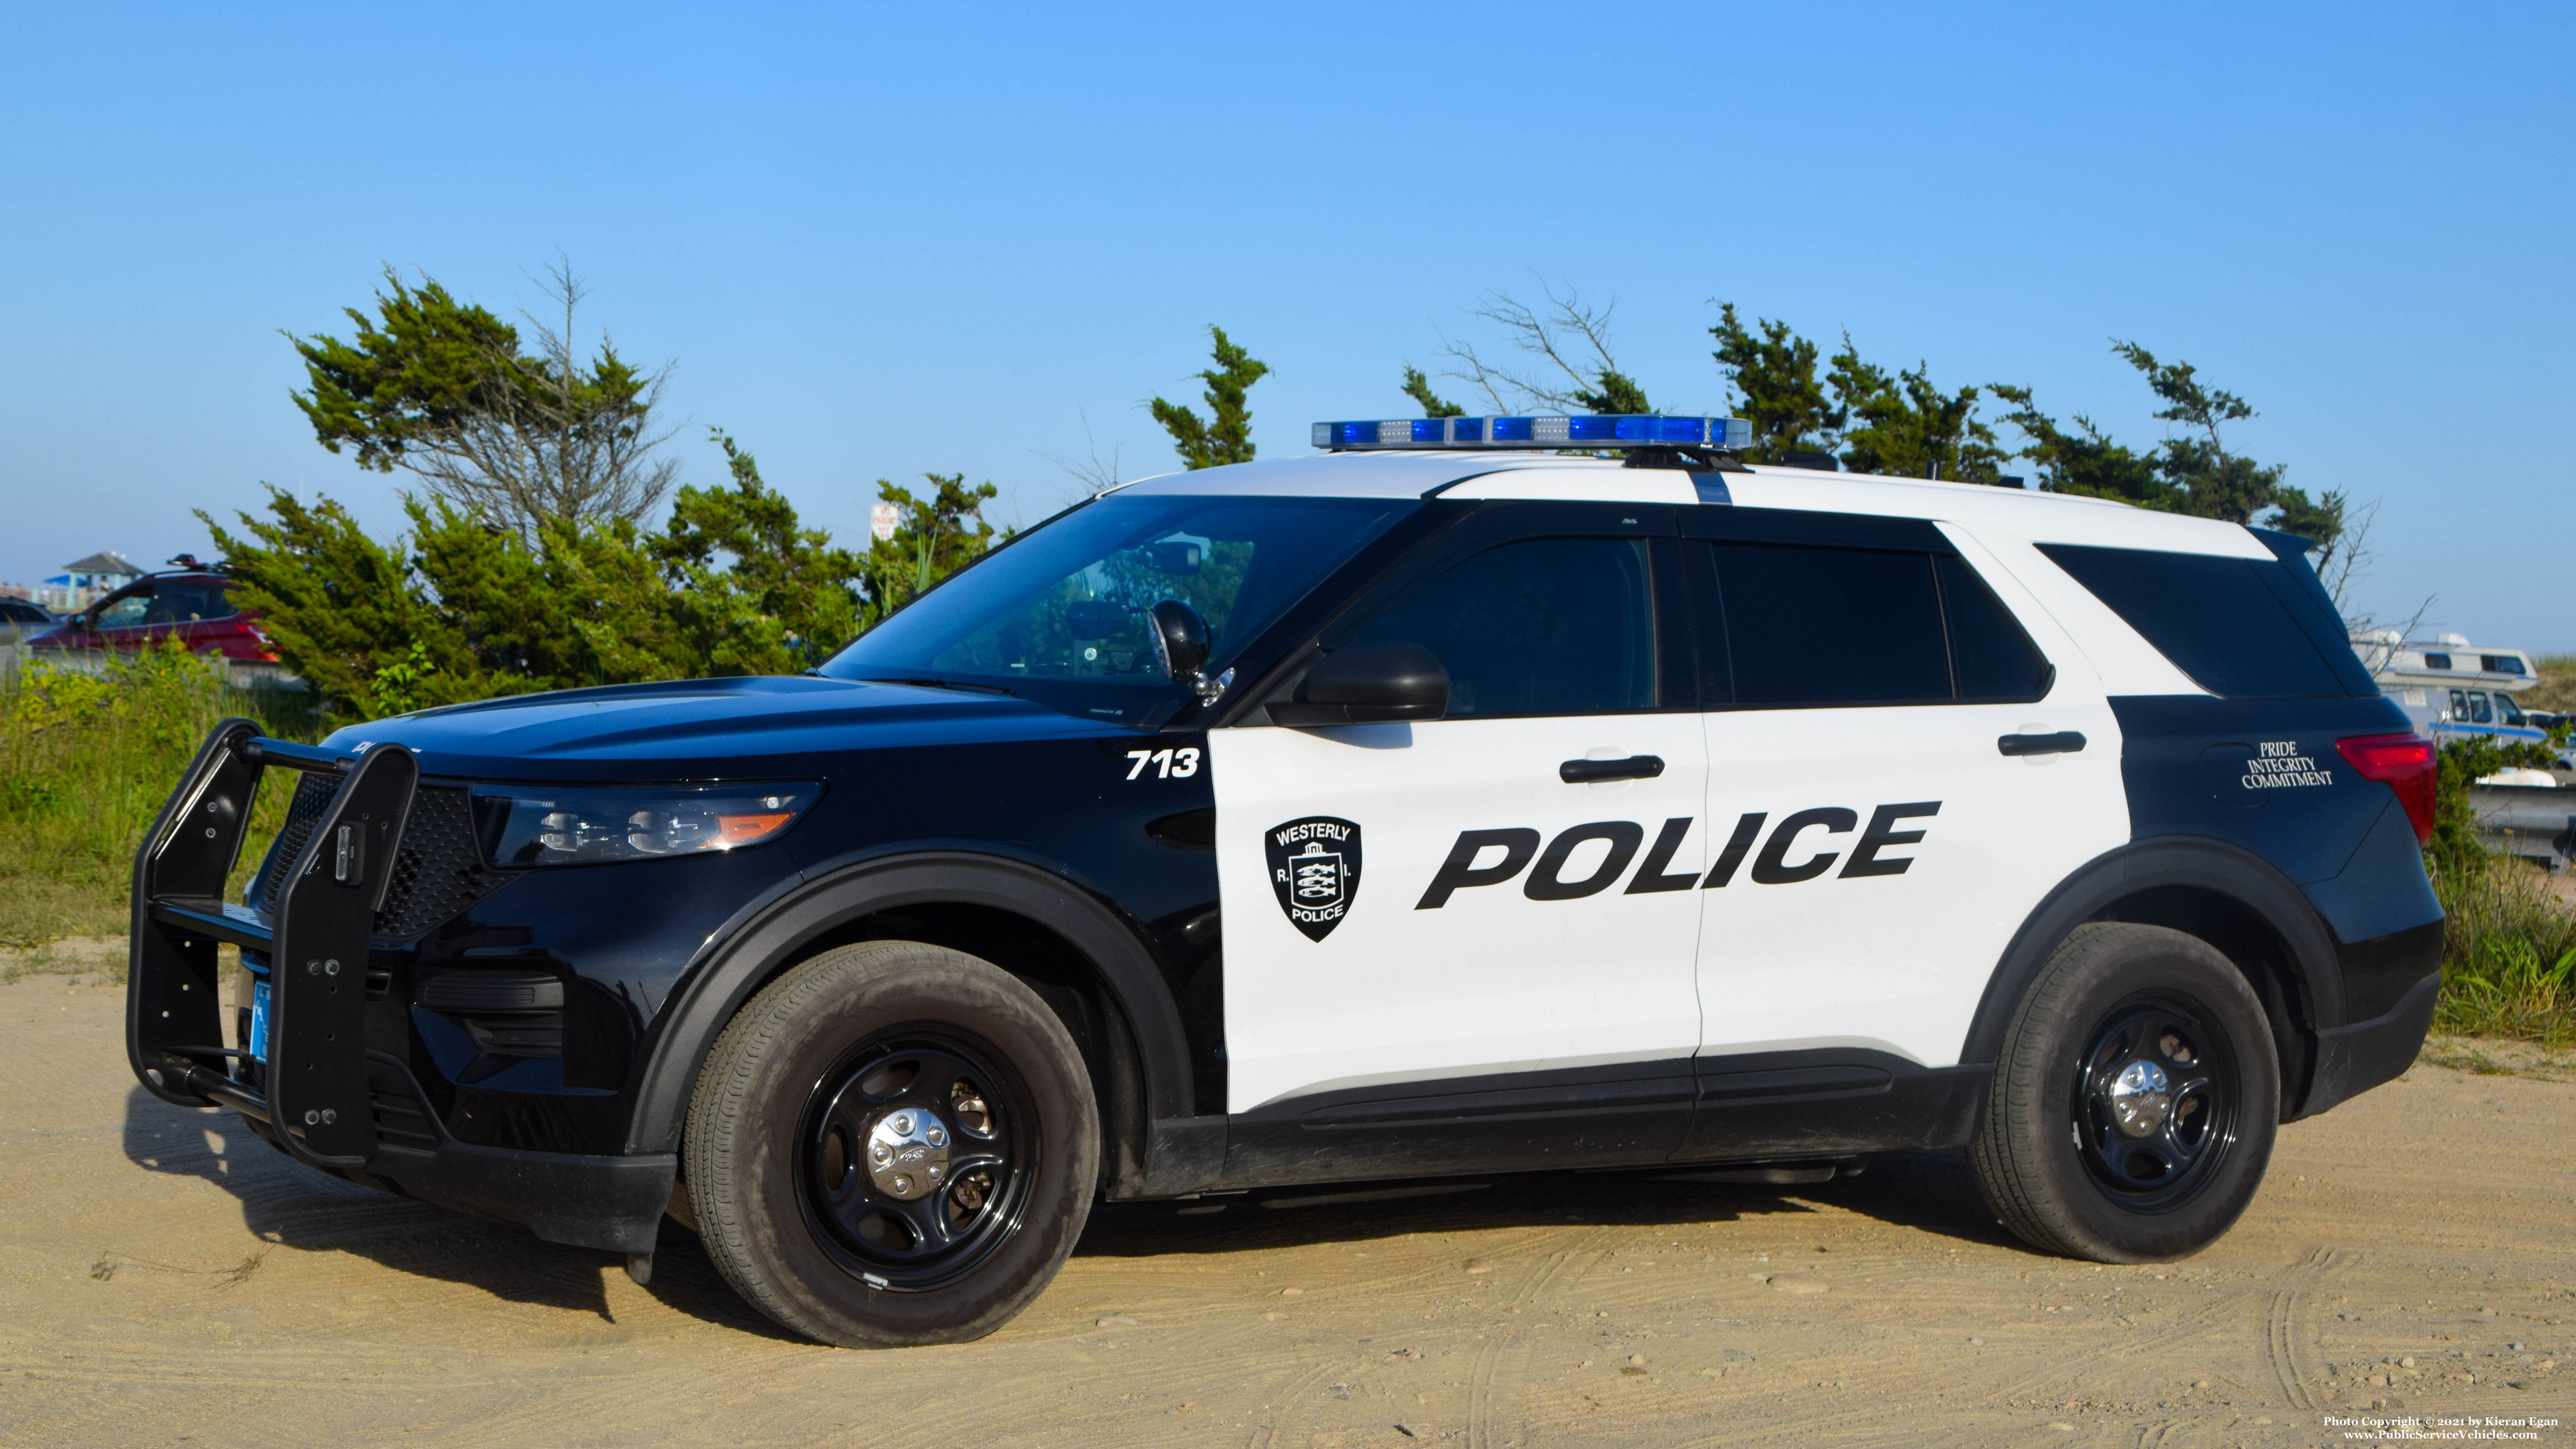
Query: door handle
(2064, 742)
(1588, 772)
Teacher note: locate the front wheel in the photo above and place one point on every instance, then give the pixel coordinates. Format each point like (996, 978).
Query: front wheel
(893, 1144)
(2133, 1105)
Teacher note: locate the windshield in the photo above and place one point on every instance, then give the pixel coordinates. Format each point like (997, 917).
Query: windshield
(1058, 617)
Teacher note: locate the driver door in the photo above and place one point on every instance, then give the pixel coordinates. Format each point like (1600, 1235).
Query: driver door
(1492, 909)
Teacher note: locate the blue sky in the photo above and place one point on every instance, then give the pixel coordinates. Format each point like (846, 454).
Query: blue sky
(878, 241)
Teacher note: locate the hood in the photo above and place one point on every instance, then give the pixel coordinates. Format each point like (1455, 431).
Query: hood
(702, 729)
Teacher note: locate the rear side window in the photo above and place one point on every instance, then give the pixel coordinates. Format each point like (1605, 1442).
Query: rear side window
(1989, 654)
(2219, 620)
(1546, 626)
(181, 601)
(1807, 626)
(1831, 625)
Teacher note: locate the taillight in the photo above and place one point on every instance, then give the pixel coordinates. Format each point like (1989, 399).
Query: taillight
(2405, 764)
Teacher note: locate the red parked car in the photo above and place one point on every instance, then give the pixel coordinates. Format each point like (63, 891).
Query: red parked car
(190, 603)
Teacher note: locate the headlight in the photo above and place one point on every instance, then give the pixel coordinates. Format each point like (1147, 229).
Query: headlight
(581, 825)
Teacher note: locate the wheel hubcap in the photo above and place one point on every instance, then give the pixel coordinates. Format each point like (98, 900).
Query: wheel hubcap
(914, 1156)
(2155, 1104)
(908, 1153)
(2140, 1099)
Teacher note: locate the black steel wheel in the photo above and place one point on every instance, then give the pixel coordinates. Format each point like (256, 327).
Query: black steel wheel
(918, 1151)
(2132, 1108)
(2155, 1107)
(894, 1143)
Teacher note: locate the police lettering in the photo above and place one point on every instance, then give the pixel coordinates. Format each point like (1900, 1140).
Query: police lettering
(1493, 857)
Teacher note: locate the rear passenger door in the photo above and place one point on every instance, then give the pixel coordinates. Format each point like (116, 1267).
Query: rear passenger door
(1452, 901)
(1899, 772)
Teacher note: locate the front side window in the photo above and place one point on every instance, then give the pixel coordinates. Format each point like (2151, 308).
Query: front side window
(1545, 626)
(1059, 616)
(2507, 710)
(124, 613)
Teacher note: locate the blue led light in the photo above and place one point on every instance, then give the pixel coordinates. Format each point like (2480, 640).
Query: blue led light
(1577, 432)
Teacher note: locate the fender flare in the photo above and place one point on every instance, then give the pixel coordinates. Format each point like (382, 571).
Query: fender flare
(736, 966)
(2167, 860)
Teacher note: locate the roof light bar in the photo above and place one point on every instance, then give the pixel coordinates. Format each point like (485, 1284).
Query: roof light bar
(1629, 430)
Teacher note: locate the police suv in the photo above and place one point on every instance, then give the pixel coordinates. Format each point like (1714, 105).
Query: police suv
(1459, 801)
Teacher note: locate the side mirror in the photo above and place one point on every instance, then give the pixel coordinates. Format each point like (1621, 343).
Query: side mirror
(1180, 639)
(1369, 684)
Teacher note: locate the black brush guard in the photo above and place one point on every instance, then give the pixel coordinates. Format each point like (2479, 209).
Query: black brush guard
(313, 1096)
(313, 1092)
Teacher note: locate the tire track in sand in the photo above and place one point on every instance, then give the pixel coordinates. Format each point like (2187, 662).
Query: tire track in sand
(2281, 1348)
(1562, 1268)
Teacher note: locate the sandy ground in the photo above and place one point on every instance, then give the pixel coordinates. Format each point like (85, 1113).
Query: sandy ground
(166, 1278)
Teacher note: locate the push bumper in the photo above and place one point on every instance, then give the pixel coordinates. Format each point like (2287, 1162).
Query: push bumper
(318, 1093)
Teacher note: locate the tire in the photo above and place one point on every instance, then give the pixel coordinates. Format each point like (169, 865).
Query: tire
(2081, 1154)
(893, 1144)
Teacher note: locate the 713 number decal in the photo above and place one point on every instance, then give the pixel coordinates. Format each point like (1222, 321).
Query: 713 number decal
(1168, 764)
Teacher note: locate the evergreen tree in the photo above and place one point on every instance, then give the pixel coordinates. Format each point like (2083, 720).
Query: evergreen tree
(1225, 436)
(2194, 473)
(1418, 388)
(1773, 372)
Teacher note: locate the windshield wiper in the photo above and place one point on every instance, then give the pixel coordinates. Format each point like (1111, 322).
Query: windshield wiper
(959, 684)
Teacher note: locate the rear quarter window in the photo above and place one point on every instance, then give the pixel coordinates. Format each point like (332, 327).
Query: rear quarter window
(2223, 621)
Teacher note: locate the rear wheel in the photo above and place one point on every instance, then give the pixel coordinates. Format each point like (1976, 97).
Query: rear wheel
(893, 1144)
(2133, 1106)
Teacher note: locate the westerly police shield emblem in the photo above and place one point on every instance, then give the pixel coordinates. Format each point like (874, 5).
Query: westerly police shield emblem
(1315, 869)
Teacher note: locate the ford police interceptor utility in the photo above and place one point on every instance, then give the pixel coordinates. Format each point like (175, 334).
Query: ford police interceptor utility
(1449, 803)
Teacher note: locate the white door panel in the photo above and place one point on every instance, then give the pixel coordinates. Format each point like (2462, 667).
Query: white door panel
(1857, 955)
(1442, 961)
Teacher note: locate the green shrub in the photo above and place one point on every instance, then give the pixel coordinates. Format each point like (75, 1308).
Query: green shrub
(86, 761)
(2509, 960)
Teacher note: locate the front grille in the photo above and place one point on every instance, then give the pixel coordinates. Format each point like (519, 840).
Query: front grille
(303, 812)
(437, 870)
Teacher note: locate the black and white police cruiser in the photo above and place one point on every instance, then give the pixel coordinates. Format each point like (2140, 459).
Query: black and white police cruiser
(1448, 803)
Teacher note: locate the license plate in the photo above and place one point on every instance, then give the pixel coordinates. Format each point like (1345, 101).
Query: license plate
(259, 1022)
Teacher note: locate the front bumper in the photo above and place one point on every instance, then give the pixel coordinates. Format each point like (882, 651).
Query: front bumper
(321, 1094)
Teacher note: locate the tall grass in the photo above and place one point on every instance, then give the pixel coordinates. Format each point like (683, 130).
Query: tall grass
(2557, 687)
(86, 761)
(2509, 960)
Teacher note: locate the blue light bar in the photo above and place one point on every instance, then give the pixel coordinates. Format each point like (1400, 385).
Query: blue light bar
(1584, 432)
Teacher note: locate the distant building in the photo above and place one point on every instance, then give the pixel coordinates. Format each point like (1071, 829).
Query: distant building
(83, 583)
